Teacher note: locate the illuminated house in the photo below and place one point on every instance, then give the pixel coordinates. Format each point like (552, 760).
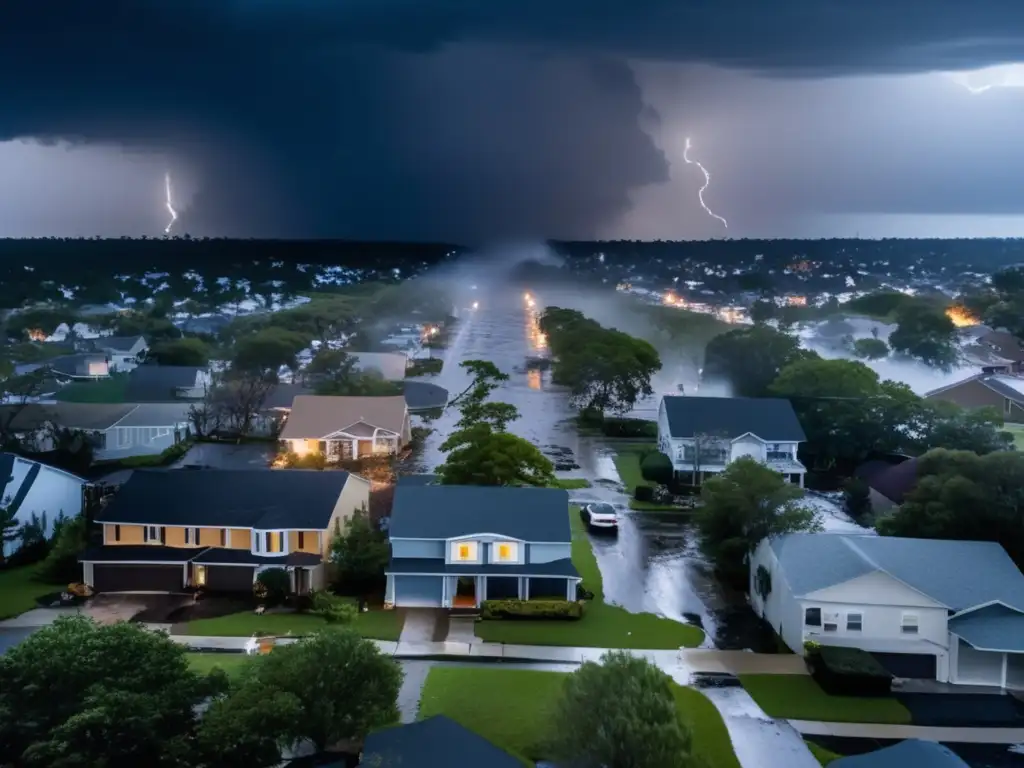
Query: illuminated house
(454, 546)
(344, 428)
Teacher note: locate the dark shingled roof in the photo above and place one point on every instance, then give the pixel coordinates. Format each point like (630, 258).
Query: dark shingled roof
(158, 383)
(115, 343)
(446, 511)
(436, 742)
(423, 396)
(410, 565)
(894, 481)
(769, 418)
(227, 498)
(141, 553)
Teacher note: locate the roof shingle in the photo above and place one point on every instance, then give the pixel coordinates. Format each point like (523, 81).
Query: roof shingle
(316, 416)
(769, 418)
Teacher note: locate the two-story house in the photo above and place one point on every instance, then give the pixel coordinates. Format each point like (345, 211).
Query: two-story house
(454, 546)
(165, 531)
(951, 611)
(703, 435)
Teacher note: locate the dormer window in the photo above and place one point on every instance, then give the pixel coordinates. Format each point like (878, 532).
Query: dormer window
(464, 551)
(505, 552)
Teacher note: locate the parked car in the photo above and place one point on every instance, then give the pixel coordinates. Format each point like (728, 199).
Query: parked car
(600, 517)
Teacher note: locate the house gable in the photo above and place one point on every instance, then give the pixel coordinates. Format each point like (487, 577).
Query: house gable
(875, 588)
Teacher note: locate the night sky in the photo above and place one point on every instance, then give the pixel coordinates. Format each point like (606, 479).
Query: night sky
(483, 120)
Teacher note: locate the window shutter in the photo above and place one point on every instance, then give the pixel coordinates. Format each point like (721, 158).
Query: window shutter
(302, 538)
(163, 535)
(223, 537)
(197, 536)
(188, 532)
(117, 533)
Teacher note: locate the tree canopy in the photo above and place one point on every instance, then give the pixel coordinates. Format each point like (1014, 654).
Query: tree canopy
(187, 351)
(604, 369)
(924, 332)
(741, 506)
(360, 552)
(963, 496)
(750, 359)
(268, 350)
(620, 712)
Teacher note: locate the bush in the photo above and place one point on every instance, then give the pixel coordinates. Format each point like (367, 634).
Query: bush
(656, 467)
(272, 585)
(583, 594)
(558, 610)
(61, 564)
(619, 427)
(848, 671)
(644, 493)
(333, 609)
(168, 456)
(309, 461)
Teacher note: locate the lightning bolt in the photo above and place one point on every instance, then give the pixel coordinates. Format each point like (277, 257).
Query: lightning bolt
(990, 78)
(707, 182)
(169, 203)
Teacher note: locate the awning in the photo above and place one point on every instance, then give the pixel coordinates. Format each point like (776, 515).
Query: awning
(425, 566)
(993, 628)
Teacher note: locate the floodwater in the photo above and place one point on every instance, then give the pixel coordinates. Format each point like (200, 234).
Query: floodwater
(654, 564)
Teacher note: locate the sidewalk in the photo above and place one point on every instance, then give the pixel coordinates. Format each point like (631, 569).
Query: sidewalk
(692, 660)
(898, 732)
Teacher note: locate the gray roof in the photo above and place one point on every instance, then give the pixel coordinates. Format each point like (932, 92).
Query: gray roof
(957, 574)
(424, 396)
(436, 742)
(116, 343)
(994, 627)
(415, 565)
(84, 416)
(447, 511)
(912, 753)
(157, 415)
(408, 480)
(1010, 387)
(158, 383)
(769, 418)
(75, 365)
(227, 498)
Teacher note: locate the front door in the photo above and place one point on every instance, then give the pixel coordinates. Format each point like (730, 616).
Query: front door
(346, 450)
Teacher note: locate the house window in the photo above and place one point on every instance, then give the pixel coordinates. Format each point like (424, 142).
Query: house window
(464, 551)
(812, 617)
(153, 534)
(268, 542)
(908, 626)
(200, 575)
(854, 622)
(505, 552)
(272, 542)
(830, 622)
(192, 536)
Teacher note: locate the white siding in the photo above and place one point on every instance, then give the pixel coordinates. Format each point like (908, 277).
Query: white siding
(748, 445)
(547, 553)
(51, 493)
(781, 610)
(123, 442)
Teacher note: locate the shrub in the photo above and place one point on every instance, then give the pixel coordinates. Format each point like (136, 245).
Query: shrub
(644, 493)
(857, 500)
(558, 610)
(621, 427)
(583, 594)
(656, 467)
(272, 585)
(309, 461)
(61, 564)
(333, 609)
(848, 671)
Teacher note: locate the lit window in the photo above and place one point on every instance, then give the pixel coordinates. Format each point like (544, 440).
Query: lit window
(504, 552)
(273, 541)
(200, 575)
(463, 551)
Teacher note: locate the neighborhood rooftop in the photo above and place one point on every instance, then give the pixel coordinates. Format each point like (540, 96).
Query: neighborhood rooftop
(157, 383)
(84, 416)
(437, 742)
(316, 416)
(228, 498)
(448, 511)
(769, 418)
(957, 574)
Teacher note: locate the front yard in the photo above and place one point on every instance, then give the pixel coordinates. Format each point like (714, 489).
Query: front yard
(374, 624)
(19, 590)
(572, 483)
(798, 697)
(512, 709)
(231, 663)
(602, 625)
(627, 464)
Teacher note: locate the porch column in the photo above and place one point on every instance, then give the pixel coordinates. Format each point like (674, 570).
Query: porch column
(526, 588)
(355, 449)
(1002, 683)
(801, 476)
(570, 589)
(481, 590)
(519, 592)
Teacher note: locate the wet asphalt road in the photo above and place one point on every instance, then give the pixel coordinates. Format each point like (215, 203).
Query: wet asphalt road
(653, 565)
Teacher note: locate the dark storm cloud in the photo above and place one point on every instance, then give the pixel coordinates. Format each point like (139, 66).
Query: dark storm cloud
(443, 119)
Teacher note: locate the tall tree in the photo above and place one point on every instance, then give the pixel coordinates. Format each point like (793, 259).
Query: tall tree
(924, 332)
(743, 505)
(750, 359)
(360, 553)
(187, 351)
(250, 728)
(638, 725)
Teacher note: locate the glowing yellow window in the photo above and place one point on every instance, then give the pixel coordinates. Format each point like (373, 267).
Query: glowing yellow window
(463, 551)
(504, 552)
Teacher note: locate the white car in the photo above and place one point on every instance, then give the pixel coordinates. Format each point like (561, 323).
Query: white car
(600, 516)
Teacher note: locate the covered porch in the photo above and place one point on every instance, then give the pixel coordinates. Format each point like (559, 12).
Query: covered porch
(987, 647)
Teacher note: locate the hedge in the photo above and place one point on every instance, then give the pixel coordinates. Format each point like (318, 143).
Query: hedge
(559, 610)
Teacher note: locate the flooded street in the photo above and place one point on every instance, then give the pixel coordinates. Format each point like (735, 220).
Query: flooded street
(654, 564)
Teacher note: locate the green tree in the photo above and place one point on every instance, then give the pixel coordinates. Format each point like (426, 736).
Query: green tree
(638, 725)
(945, 425)
(750, 359)
(272, 585)
(761, 311)
(61, 565)
(743, 505)
(857, 500)
(250, 728)
(360, 553)
(924, 332)
(78, 693)
(187, 351)
(963, 496)
(344, 686)
(870, 348)
(656, 467)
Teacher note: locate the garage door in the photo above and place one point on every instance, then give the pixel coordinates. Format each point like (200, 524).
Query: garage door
(908, 665)
(418, 591)
(229, 578)
(109, 577)
(975, 667)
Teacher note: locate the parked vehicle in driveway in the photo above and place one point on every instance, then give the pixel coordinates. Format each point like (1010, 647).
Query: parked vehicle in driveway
(600, 517)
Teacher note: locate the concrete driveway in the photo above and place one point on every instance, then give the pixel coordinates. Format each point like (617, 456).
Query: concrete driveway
(108, 609)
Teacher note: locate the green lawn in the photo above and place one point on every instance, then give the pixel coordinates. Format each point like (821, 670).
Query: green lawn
(572, 483)
(1017, 430)
(798, 697)
(19, 590)
(375, 624)
(512, 708)
(602, 625)
(627, 463)
(821, 754)
(231, 663)
(110, 390)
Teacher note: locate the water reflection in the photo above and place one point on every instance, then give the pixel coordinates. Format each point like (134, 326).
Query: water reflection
(533, 378)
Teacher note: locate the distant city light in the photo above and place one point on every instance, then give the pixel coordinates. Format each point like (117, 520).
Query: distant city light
(476, 305)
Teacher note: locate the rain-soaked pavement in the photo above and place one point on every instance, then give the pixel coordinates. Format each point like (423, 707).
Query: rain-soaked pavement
(654, 565)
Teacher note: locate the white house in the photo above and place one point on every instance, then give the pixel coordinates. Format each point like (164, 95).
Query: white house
(29, 487)
(951, 611)
(123, 352)
(703, 435)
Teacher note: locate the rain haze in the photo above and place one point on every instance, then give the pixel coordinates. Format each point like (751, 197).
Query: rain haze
(475, 123)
